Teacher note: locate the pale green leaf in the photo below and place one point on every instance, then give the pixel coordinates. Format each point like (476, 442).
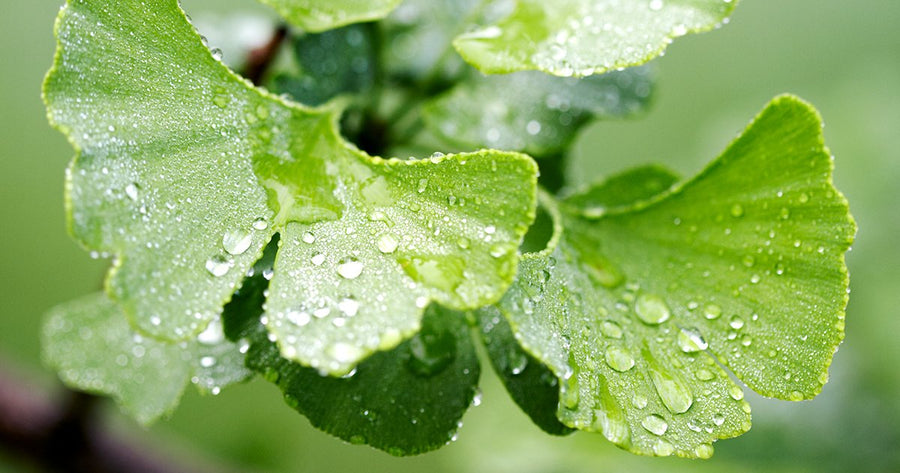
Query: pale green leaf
(321, 15)
(531, 111)
(584, 37)
(638, 310)
(184, 172)
(89, 343)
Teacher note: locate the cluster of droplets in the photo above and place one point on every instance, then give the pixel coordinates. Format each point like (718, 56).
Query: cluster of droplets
(235, 242)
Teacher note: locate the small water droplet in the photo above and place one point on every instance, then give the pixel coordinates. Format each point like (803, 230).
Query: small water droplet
(207, 361)
(318, 259)
(639, 401)
(737, 210)
(348, 306)
(308, 238)
(533, 127)
(655, 424)
(785, 213)
(748, 261)
(803, 198)
(131, 190)
(675, 393)
(718, 419)
(268, 273)
(754, 279)
(712, 312)
(690, 340)
(463, 243)
(350, 268)
(236, 241)
(423, 185)
(218, 265)
(736, 392)
(619, 359)
(736, 322)
(651, 309)
(518, 361)
(569, 396)
(611, 329)
(298, 318)
(387, 243)
(704, 374)
(221, 99)
(260, 224)
(490, 229)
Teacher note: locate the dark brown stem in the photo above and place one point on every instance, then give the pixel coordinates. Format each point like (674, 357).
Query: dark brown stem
(66, 436)
(259, 59)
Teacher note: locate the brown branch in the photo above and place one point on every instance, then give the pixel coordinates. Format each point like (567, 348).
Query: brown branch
(66, 436)
(259, 59)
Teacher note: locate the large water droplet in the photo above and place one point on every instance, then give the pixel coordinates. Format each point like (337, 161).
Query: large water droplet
(736, 322)
(690, 340)
(619, 359)
(349, 268)
(348, 306)
(344, 352)
(298, 318)
(609, 418)
(213, 333)
(308, 238)
(655, 424)
(218, 265)
(712, 312)
(387, 243)
(236, 241)
(674, 392)
(131, 190)
(718, 419)
(651, 309)
(611, 329)
(518, 361)
(569, 395)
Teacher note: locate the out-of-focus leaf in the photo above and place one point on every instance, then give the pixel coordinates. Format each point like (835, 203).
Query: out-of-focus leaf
(321, 15)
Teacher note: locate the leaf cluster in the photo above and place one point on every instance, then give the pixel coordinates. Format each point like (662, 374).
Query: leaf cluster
(258, 233)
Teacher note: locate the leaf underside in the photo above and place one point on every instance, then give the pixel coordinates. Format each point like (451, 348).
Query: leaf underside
(185, 172)
(562, 37)
(639, 309)
(89, 343)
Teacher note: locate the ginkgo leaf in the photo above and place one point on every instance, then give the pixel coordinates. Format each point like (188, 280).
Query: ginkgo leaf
(321, 15)
(584, 37)
(89, 343)
(639, 309)
(531, 111)
(184, 172)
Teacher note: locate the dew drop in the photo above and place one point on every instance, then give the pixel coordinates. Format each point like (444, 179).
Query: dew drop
(221, 100)
(718, 419)
(218, 265)
(236, 241)
(754, 279)
(463, 243)
(655, 424)
(690, 340)
(298, 318)
(268, 273)
(387, 243)
(260, 224)
(349, 268)
(611, 329)
(344, 352)
(308, 238)
(348, 306)
(736, 392)
(663, 448)
(639, 401)
(131, 190)
(675, 393)
(318, 259)
(569, 395)
(712, 312)
(651, 309)
(518, 361)
(533, 127)
(748, 261)
(423, 185)
(704, 374)
(737, 210)
(213, 333)
(803, 198)
(619, 359)
(490, 229)
(736, 323)
(207, 361)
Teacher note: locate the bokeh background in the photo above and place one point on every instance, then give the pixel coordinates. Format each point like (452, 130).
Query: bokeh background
(844, 57)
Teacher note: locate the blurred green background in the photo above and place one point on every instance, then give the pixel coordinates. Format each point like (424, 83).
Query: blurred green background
(843, 57)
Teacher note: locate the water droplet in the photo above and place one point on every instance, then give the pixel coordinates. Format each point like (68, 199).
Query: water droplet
(207, 361)
(746, 340)
(318, 259)
(260, 224)
(218, 265)
(490, 229)
(718, 419)
(298, 318)
(611, 329)
(639, 401)
(656, 5)
(704, 374)
(268, 273)
(308, 238)
(463, 243)
(803, 198)
(262, 112)
(236, 241)
(655, 424)
(619, 359)
(518, 361)
(221, 99)
(423, 185)
(348, 306)
(349, 268)
(499, 250)
(533, 127)
(748, 261)
(651, 309)
(796, 396)
(387, 243)
(754, 279)
(663, 448)
(131, 190)
(569, 395)
(737, 210)
(690, 340)
(736, 392)
(344, 352)
(704, 451)
(736, 323)
(712, 312)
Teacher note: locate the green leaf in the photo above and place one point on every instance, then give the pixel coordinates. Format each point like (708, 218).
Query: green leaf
(405, 401)
(638, 310)
(321, 15)
(584, 37)
(620, 192)
(332, 63)
(184, 172)
(531, 111)
(89, 343)
(529, 382)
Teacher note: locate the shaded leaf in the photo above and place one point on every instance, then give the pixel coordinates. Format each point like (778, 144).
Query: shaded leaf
(531, 111)
(636, 311)
(89, 343)
(584, 37)
(332, 63)
(321, 15)
(622, 191)
(530, 384)
(184, 172)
